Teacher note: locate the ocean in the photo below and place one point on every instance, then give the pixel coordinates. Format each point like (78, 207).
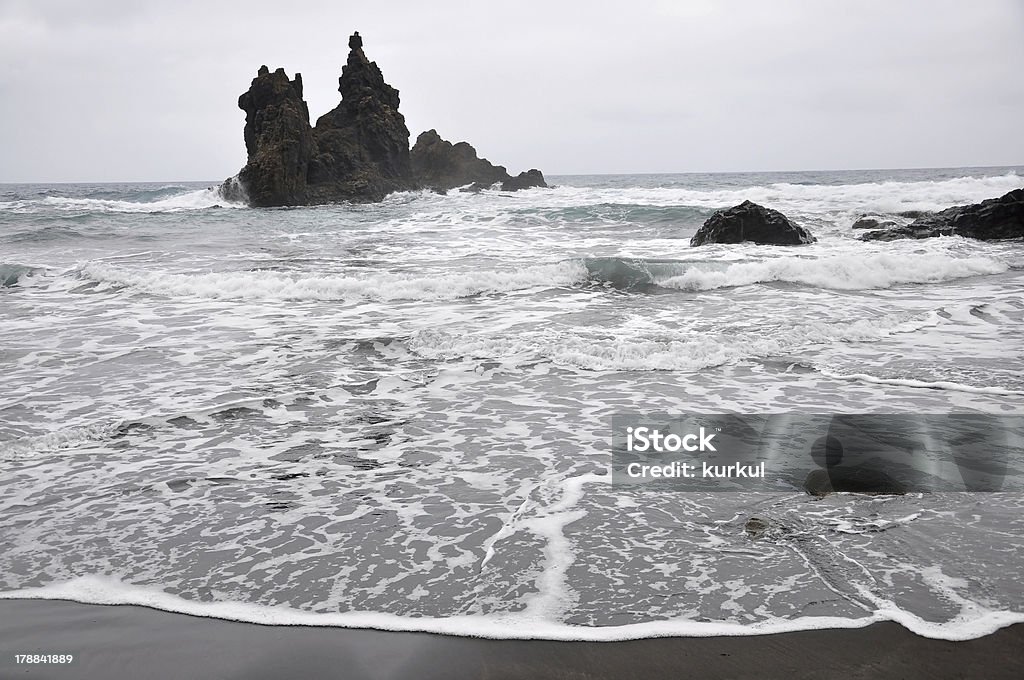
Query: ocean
(398, 415)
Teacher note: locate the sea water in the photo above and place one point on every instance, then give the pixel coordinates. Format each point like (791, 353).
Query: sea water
(398, 415)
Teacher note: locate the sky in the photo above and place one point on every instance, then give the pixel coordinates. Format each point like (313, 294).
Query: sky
(133, 90)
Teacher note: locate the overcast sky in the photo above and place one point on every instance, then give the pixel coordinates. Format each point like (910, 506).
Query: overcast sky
(136, 90)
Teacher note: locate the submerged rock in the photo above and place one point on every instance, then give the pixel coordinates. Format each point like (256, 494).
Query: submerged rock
(995, 218)
(756, 527)
(870, 222)
(914, 214)
(439, 164)
(751, 222)
(357, 152)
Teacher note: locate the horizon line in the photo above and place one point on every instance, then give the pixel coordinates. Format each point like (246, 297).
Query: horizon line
(577, 174)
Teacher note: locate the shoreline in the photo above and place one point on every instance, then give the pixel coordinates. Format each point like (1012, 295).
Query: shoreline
(131, 641)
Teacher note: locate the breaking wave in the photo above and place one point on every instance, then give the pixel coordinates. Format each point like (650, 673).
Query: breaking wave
(876, 197)
(271, 285)
(11, 274)
(838, 272)
(170, 199)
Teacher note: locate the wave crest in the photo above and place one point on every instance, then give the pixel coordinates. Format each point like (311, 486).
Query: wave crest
(270, 285)
(838, 272)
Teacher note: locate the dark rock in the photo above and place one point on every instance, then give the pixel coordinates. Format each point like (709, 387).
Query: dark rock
(357, 152)
(363, 144)
(749, 221)
(524, 180)
(866, 222)
(995, 218)
(439, 164)
(905, 231)
(914, 214)
(756, 527)
(278, 140)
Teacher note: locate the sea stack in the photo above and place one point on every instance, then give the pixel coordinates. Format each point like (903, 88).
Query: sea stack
(358, 152)
(363, 144)
(278, 139)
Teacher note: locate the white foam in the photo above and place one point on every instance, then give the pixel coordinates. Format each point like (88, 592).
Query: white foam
(974, 621)
(839, 272)
(639, 354)
(55, 441)
(269, 285)
(923, 384)
(191, 200)
(864, 197)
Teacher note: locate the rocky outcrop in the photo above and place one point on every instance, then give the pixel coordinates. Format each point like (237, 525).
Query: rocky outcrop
(362, 146)
(751, 222)
(995, 218)
(278, 140)
(357, 152)
(524, 180)
(872, 222)
(440, 165)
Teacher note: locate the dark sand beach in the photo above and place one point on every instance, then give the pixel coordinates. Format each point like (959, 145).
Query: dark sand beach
(112, 642)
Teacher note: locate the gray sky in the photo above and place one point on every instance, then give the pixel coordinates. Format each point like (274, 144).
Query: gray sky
(136, 90)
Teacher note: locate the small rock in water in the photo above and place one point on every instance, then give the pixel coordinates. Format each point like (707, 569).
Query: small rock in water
(867, 222)
(751, 222)
(756, 527)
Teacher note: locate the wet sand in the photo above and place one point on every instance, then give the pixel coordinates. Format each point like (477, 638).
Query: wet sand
(136, 643)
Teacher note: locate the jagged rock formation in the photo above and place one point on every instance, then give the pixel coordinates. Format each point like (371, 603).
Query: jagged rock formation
(363, 144)
(278, 139)
(749, 221)
(995, 218)
(440, 165)
(357, 152)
